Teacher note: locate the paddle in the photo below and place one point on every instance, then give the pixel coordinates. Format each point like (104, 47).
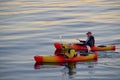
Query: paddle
(78, 39)
(63, 48)
(60, 39)
(82, 41)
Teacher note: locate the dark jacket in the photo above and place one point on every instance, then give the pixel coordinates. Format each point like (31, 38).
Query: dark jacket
(90, 42)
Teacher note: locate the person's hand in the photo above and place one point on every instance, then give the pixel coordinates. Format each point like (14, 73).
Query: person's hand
(80, 40)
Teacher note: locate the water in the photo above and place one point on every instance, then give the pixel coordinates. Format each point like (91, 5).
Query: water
(30, 27)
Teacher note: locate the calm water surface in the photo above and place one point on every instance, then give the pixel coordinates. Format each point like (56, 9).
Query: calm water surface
(30, 27)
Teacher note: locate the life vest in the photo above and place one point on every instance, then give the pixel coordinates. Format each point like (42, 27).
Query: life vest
(70, 53)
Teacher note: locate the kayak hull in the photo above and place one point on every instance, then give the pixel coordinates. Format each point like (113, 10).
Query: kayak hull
(55, 58)
(77, 46)
(39, 65)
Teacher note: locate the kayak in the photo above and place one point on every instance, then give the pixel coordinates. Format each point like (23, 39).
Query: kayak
(78, 46)
(55, 58)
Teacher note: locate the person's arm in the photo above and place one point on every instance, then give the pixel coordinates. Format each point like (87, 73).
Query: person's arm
(81, 40)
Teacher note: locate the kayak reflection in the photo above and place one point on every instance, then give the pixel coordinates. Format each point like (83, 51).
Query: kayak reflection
(39, 65)
(69, 65)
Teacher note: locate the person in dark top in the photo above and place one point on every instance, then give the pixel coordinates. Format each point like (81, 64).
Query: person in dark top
(90, 42)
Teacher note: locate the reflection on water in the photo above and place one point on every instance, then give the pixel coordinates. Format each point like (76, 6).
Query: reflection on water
(47, 65)
(71, 69)
(68, 70)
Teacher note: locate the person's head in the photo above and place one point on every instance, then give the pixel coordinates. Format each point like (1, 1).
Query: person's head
(89, 34)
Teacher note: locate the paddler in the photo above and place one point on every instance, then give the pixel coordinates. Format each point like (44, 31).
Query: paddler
(90, 42)
(70, 53)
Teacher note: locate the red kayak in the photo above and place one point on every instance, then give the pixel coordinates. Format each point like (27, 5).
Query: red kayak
(78, 46)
